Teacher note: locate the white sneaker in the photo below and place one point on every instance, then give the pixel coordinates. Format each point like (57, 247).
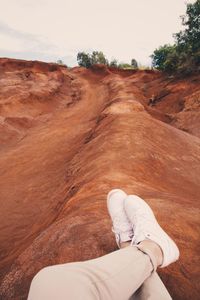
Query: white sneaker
(145, 227)
(122, 227)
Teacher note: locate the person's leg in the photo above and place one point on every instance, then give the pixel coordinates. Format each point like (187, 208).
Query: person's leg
(114, 276)
(63, 282)
(152, 289)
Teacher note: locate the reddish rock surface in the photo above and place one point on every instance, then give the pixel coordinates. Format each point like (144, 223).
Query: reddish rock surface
(69, 136)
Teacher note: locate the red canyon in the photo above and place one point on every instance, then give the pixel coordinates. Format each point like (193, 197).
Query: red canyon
(68, 136)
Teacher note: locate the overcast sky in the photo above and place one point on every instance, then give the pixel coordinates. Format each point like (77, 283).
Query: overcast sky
(49, 30)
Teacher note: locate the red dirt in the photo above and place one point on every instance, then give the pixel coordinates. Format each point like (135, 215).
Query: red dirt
(69, 136)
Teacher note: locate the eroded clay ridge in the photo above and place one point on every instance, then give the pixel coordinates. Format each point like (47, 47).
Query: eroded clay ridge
(67, 137)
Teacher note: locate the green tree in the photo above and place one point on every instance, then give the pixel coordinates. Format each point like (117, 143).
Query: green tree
(184, 56)
(161, 58)
(84, 59)
(87, 60)
(113, 63)
(134, 63)
(189, 39)
(97, 57)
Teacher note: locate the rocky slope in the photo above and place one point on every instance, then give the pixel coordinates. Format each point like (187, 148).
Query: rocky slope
(68, 136)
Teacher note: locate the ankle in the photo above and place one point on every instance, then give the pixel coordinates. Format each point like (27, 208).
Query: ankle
(154, 248)
(125, 244)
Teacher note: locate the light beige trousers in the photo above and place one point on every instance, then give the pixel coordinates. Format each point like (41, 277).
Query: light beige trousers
(127, 273)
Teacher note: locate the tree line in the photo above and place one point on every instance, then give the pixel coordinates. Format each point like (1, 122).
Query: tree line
(182, 57)
(97, 57)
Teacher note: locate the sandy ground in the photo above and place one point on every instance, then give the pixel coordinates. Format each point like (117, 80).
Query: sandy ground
(69, 136)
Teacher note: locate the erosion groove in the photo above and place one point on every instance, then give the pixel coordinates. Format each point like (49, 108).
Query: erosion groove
(67, 137)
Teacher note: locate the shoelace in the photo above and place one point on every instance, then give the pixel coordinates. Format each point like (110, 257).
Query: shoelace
(140, 226)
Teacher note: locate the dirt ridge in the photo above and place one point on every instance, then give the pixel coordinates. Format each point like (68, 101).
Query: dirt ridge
(95, 132)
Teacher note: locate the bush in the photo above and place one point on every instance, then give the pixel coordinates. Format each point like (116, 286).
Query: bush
(97, 57)
(134, 63)
(84, 59)
(113, 63)
(124, 66)
(87, 60)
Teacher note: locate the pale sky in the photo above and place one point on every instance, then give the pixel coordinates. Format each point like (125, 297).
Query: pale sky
(49, 30)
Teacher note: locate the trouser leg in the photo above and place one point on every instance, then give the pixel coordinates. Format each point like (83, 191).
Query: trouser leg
(152, 289)
(114, 276)
(63, 282)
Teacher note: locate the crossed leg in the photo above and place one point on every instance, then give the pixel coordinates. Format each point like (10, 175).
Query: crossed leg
(116, 276)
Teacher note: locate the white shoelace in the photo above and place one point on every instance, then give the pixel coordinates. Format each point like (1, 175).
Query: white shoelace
(140, 227)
